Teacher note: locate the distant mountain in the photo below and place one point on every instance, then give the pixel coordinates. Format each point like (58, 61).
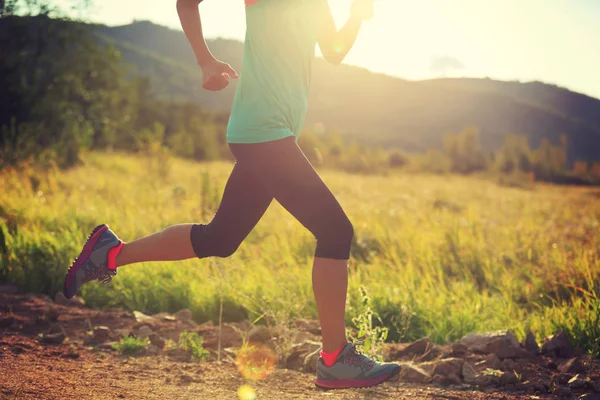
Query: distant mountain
(377, 109)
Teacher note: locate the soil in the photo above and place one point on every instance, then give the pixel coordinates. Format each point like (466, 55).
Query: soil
(30, 368)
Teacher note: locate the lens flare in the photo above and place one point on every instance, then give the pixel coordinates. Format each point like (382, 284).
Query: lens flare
(255, 361)
(246, 392)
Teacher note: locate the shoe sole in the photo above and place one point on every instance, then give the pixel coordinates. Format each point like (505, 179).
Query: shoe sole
(355, 383)
(85, 253)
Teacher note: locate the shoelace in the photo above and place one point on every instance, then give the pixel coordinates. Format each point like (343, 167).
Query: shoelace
(360, 359)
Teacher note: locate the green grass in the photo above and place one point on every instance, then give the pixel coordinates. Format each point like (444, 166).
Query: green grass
(130, 345)
(439, 255)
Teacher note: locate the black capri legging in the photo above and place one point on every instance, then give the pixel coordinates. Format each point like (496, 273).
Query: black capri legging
(263, 172)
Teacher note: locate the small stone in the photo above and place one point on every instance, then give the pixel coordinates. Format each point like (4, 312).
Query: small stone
(417, 348)
(260, 334)
(577, 382)
(101, 334)
(508, 378)
(140, 317)
(54, 338)
(157, 340)
(479, 341)
(143, 332)
(530, 343)
(444, 367)
(459, 349)
(558, 345)
(6, 322)
(491, 361)
(183, 315)
(502, 348)
(413, 374)
(562, 391)
(153, 350)
(572, 366)
(185, 379)
(472, 378)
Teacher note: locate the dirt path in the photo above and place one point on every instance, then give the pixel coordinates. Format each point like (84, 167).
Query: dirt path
(29, 370)
(76, 367)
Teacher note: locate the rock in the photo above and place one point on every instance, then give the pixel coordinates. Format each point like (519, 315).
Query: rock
(431, 354)
(439, 380)
(491, 361)
(53, 338)
(509, 365)
(9, 288)
(153, 350)
(510, 387)
(530, 344)
(459, 350)
(563, 378)
(451, 379)
(106, 346)
(417, 348)
(558, 345)
(589, 396)
(479, 341)
(444, 367)
(157, 340)
(572, 366)
(141, 317)
(523, 387)
(508, 378)
(551, 365)
(309, 364)
(562, 391)
(100, 334)
(6, 322)
(183, 315)
(413, 374)
(143, 332)
(75, 301)
(577, 382)
(299, 353)
(260, 334)
(502, 348)
(471, 377)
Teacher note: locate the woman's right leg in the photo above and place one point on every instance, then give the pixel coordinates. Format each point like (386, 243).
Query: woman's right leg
(244, 202)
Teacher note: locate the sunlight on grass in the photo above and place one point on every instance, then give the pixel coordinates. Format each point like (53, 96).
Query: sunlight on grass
(439, 256)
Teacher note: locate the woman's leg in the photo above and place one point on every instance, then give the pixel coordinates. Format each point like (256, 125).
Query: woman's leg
(290, 178)
(244, 202)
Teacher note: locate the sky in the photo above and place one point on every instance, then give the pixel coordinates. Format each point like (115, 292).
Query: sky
(554, 41)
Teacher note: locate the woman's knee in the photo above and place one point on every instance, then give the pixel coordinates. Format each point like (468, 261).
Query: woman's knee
(207, 242)
(335, 240)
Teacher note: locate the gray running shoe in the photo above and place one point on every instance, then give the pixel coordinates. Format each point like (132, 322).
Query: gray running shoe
(92, 262)
(352, 370)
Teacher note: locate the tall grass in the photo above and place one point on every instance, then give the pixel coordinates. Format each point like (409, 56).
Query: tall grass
(440, 256)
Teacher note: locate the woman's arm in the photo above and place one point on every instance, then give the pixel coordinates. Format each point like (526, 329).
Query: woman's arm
(335, 44)
(215, 74)
(192, 27)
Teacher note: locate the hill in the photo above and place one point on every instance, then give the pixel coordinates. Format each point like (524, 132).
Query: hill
(376, 109)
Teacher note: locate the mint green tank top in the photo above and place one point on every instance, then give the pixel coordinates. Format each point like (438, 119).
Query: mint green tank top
(271, 97)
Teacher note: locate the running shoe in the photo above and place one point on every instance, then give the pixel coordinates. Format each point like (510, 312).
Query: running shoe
(92, 262)
(353, 370)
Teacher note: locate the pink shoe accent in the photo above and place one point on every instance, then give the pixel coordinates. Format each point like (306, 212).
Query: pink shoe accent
(85, 253)
(112, 256)
(351, 383)
(250, 2)
(330, 358)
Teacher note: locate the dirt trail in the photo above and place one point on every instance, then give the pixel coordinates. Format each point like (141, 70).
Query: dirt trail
(75, 369)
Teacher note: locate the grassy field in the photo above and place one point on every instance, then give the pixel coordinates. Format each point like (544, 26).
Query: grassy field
(439, 255)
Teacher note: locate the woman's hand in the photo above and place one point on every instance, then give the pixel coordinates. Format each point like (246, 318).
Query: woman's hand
(216, 75)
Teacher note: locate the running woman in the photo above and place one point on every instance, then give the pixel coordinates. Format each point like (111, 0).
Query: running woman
(267, 115)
